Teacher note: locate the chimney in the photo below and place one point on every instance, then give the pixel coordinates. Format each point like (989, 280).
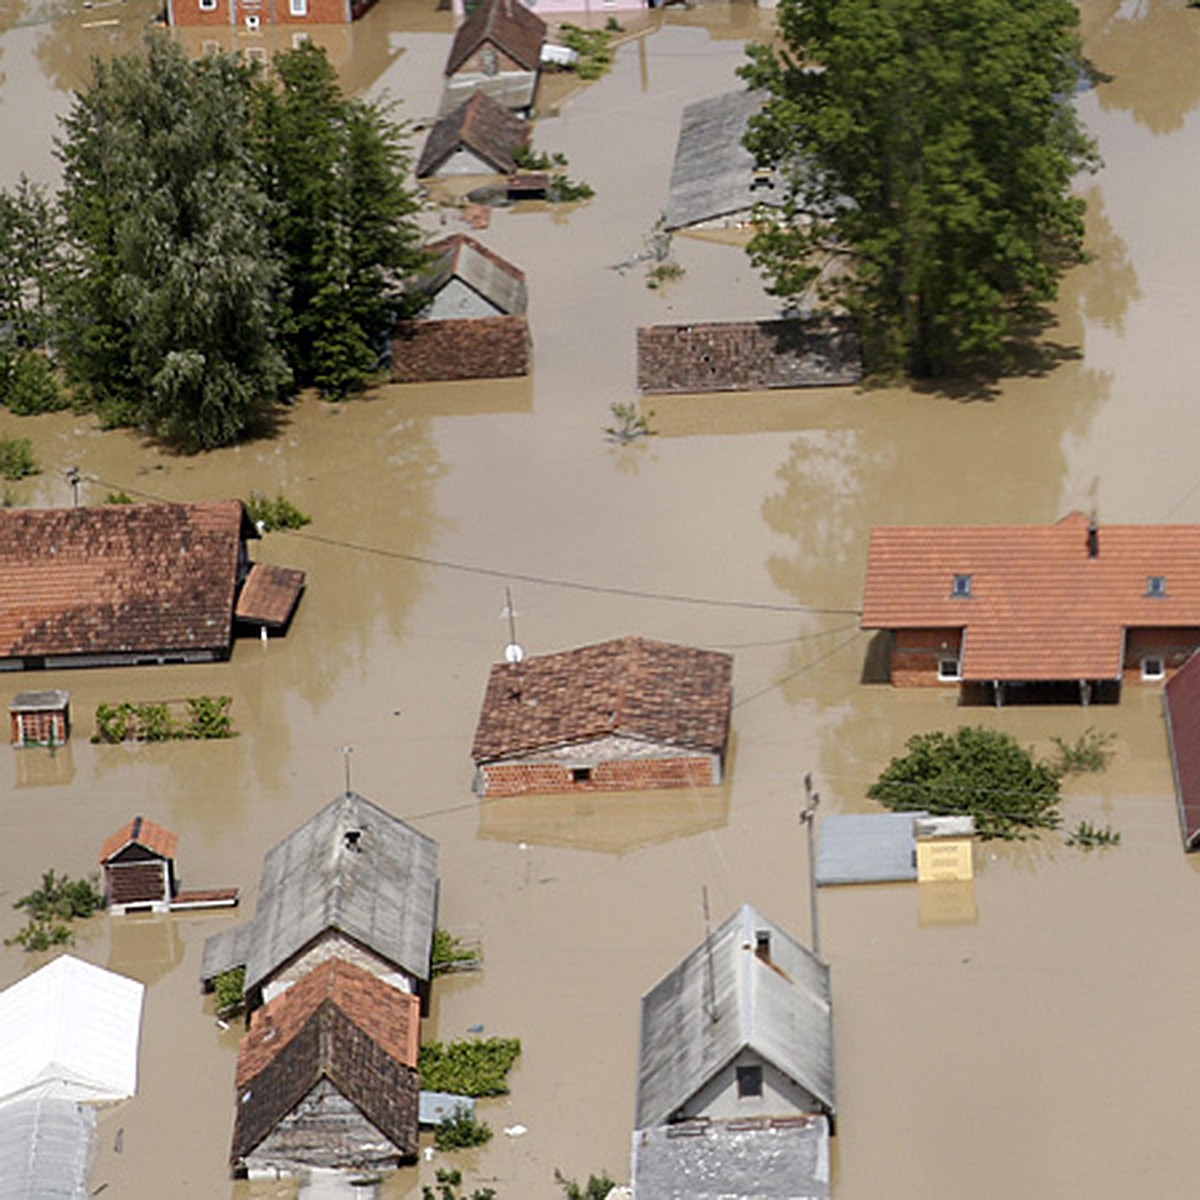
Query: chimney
(1093, 539)
(762, 945)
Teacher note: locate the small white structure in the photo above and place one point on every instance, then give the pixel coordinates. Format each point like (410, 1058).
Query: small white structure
(70, 1030)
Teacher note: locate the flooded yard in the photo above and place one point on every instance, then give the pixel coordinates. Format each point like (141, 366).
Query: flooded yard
(1044, 1048)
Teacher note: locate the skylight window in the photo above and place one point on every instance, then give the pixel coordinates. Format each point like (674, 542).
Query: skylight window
(961, 588)
(1156, 585)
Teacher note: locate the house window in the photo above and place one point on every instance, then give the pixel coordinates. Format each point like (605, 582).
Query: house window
(1156, 585)
(489, 61)
(1153, 667)
(252, 23)
(749, 1082)
(208, 5)
(949, 670)
(960, 589)
(581, 774)
(298, 8)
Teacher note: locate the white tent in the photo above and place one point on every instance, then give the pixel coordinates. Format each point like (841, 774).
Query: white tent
(70, 1030)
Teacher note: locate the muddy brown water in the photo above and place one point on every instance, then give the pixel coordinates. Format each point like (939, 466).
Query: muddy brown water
(1047, 1046)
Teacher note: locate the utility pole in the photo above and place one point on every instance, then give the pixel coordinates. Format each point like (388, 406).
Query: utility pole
(808, 818)
(73, 480)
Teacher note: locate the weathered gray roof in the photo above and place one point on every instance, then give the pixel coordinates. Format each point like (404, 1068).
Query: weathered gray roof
(45, 1148)
(481, 124)
(50, 701)
(760, 1159)
(780, 1009)
(867, 848)
(513, 90)
(460, 256)
(379, 889)
(713, 172)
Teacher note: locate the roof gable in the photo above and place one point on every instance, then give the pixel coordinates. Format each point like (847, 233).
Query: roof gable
(140, 832)
(778, 1005)
(508, 25)
(119, 578)
(355, 868)
(1038, 605)
(482, 125)
(494, 278)
(655, 691)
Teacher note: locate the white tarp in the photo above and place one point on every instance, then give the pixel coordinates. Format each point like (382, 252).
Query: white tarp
(70, 1030)
(45, 1149)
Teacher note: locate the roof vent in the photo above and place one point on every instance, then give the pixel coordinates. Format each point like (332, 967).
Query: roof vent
(1156, 586)
(960, 589)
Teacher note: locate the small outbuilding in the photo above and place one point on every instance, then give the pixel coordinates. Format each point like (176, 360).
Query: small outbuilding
(479, 137)
(40, 718)
(623, 715)
(497, 50)
(467, 281)
(327, 1076)
(138, 862)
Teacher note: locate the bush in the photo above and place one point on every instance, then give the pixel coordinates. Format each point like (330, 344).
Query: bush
(230, 990)
(451, 954)
(448, 1182)
(29, 384)
(208, 717)
(461, 1130)
(1087, 836)
(279, 513)
(52, 907)
(16, 458)
(1089, 753)
(597, 1187)
(471, 1067)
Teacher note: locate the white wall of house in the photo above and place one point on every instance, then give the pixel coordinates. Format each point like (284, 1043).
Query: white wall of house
(332, 944)
(456, 301)
(781, 1096)
(465, 162)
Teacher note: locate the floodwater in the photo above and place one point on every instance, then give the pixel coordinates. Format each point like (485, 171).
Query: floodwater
(1042, 1045)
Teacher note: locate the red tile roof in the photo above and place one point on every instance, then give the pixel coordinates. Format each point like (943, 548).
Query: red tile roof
(1181, 703)
(1040, 606)
(270, 595)
(138, 578)
(390, 1017)
(508, 25)
(141, 832)
(676, 695)
(466, 348)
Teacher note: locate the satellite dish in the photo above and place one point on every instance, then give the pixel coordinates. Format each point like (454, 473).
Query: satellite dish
(513, 653)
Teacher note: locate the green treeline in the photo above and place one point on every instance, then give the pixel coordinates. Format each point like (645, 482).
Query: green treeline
(220, 240)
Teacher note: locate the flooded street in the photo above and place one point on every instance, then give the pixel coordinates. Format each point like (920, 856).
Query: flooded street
(1045, 1048)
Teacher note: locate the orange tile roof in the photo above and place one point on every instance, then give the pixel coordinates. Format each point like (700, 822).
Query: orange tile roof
(677, 695)
(141, 832)
(390, 1017)
(138, 578)
(1040, 606)
(270, 595)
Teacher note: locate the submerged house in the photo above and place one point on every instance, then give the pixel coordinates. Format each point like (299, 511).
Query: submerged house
(327, 1076)
(497, 50)
(128, 584)
(479, 137)
(741, 1028)
(353, 882)
(1006, 610)
(253, 15)
(40, 718)
(621, 715)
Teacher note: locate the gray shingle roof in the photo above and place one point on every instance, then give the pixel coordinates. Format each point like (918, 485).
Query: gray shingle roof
(495, 279)
(483, 126)
(781, 1009)
(381, 891)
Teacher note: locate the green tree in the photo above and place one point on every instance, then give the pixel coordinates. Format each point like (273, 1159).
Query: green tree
(174, 289)
(981, 772)
(343, 219)
(928, 148)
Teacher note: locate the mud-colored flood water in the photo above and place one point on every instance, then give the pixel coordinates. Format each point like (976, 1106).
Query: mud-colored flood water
(1039, 1040)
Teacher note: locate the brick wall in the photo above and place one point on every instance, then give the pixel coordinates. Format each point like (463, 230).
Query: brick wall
(190, 13)
(39, 728)
(1173, 646)
(625, 775)
(916, 653)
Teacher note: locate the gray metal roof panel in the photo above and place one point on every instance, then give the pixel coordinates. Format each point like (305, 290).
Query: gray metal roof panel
(867, 848)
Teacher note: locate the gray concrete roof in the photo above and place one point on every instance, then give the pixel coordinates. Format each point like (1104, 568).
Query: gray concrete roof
(781, 1009)
(866, 848)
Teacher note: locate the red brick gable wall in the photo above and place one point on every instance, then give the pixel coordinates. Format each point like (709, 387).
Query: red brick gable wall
(917, 652)
(1173, 646)
(629, 775)
(190, 13)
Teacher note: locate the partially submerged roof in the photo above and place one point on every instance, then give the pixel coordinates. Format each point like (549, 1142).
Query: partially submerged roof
(757, 1159)
(342, 1024)
(714, 175)
(45, 1149)
(140, 832)
(270, 595)
(481, 125)
(1181, 703)
(740, 356)
(48, 701)
(781, 1009)
(353, 868)
(473, 348)
(495, 279)
(867, 848)
(70, 1030)
(119, 578)
(1034, 602)
(633, 687)
(508, 25)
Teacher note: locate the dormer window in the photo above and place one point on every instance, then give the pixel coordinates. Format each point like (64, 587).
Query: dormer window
(1156, 586)
(960, 589)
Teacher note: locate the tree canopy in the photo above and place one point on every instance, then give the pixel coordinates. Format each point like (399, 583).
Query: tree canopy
(981, 772)
(928, 148)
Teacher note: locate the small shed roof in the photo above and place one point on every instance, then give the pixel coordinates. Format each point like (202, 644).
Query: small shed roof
(1035, 603)
(70, 1029)
(48, 701)
(140, 832)
(270, 595)
(867, 848)
(765, 1159)
(508, 25)
(456, 349)
(656, 691)
(45, 1149)
(335, 1038)
(714, 175)
(482, 125)
(780, 1007)
(119, 578)
(460, 256)
(354, 868)
(1181, 704)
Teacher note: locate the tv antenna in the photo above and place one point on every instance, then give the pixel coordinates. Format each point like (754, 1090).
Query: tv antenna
(513, 653)
(347, 751)
(710, 978)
